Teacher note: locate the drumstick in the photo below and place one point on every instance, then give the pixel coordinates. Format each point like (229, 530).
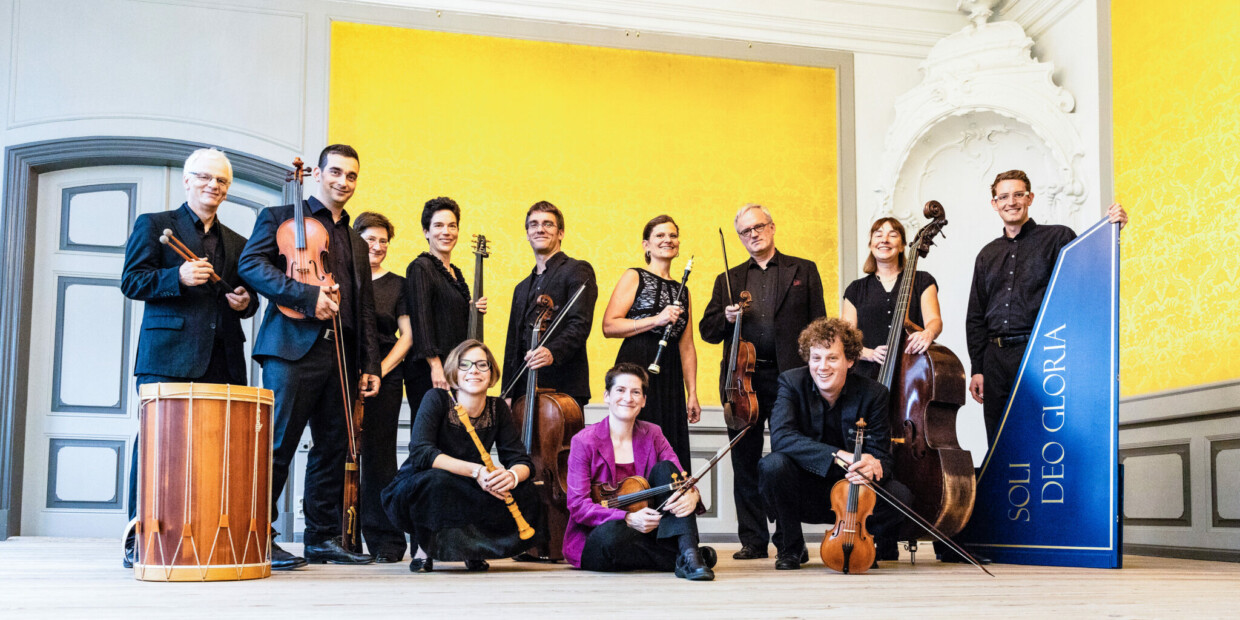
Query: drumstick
(170, 240)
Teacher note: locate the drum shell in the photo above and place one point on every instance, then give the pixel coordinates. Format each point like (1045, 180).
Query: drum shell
(204, 483)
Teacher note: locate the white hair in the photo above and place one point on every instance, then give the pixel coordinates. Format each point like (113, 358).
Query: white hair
(749, 206)
(208, 153)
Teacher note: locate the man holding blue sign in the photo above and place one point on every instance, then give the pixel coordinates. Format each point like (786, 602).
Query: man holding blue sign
(1009, 281)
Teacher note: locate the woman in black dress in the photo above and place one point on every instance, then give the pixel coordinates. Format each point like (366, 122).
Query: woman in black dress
(384, 541)
(639, 311)
(443, 495)
(438, 299)
(870, 301)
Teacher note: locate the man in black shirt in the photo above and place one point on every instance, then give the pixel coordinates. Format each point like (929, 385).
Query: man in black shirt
(787, 295)
(1009, 281)
(298, 356)
(561, 362)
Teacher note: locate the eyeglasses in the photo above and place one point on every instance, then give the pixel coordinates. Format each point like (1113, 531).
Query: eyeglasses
(481, 365)
(207, 178)
(756, 229)
(1016, 195)
(548, 225)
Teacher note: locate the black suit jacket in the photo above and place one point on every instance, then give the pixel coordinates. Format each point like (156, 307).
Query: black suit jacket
(291, 339)
(570, 372)
(797, 421)
(800, 303)
(179, 323)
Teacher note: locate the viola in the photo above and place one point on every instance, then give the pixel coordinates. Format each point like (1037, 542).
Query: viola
(740, 400)
(548, 421)
(631, 494)
(927, 389)
(481, 251)
(849, 548)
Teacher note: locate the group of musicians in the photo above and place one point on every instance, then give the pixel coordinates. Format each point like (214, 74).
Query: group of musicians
(813, 376)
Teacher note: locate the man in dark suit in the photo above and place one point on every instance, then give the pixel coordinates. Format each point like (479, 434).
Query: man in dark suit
(561, 362)
(191, 327)
(815, 419)
(787, 295)
(299, 355)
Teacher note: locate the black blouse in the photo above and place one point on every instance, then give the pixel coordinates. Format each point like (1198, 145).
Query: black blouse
(437, 430)
(438, 307)
(875, 305)
(389, 305)
(654, 293)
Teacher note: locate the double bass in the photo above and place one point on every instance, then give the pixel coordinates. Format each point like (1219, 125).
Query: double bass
(304, 245)
(926, 390)
(548, 421)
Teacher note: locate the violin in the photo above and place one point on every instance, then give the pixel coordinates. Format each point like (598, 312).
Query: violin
(740, 401)
(303, 243)
(849, 548)
(926, 391)
(631, 494)
(481, 251)
(548, 421)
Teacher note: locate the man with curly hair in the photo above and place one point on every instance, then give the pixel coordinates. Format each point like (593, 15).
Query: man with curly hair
(815, 419)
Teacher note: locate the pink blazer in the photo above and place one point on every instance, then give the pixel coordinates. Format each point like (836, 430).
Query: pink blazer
(591, 460)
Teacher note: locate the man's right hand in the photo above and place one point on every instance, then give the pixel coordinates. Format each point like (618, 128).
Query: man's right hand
(644, 520)
(326, 307)
(731, 312)
(195, 273)
(975, 387)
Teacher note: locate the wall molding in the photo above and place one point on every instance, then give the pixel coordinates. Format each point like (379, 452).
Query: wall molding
(23, 163)
(1184, 553)
(1181, 403)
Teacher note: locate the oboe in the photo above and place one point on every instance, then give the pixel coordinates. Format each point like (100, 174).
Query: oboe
(523, 527)
(654, 366)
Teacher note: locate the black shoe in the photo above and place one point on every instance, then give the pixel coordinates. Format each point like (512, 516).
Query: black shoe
(421, 565)
(130, 547)
(750, 552)
(389, 557)
(804, 554)
(331, 551)
(709, 556)
(690, 565)
(476, 566)
(787, 562)
(283, 560)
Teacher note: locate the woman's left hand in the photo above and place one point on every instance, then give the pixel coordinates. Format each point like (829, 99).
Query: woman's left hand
(497, 482)
(481, 305)
(685, 504)
(693, 409)
(918, 342)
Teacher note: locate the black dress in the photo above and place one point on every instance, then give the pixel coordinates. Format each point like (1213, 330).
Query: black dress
(381, 420)
(875, 306)
(439, 314)
(665, 399)
(450, 516)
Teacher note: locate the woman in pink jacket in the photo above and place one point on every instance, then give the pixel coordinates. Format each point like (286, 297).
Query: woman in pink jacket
(619, 446)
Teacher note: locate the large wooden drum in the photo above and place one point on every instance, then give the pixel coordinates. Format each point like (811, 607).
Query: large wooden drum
(204, 480)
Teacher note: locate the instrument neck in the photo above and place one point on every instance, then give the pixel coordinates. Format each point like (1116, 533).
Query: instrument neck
(736, 343)
(896, 331)
(299, 216)
(475, 317)
(531, 397)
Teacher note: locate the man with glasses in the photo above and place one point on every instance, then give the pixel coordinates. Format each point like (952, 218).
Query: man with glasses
(561, 362)
(191, 327)
(1009, 281)
(787, 296)
(299, 356)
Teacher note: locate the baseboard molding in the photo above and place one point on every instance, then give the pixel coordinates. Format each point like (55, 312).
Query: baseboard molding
(1184, 553)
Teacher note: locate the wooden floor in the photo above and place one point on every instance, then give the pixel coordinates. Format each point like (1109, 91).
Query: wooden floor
(63, 578)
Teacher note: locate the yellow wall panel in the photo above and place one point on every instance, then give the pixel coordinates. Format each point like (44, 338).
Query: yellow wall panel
(612, 137)
(1176, 87)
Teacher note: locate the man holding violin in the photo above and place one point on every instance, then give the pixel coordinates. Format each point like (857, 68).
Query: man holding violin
(299, 357)
(787, 295)
(813, 422)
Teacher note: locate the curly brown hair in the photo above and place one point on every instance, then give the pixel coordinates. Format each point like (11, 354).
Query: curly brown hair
(823, 332)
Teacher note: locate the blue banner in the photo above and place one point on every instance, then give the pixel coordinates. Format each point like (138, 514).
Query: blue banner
(1048, 492)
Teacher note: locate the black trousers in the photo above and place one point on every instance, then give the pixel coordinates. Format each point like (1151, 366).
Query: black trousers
(998, 376)
(750, 516)
(308, 391)
(616, 547)
(379, 465)
(797, 496)
(217, 372)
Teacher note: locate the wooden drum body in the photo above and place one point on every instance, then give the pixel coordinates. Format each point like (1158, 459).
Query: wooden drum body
(204, 483)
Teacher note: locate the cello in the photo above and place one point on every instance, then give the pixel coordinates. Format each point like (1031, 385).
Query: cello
(740, 401)
(548, 421)
(926, 391)
(304, 245)
(481, 251)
